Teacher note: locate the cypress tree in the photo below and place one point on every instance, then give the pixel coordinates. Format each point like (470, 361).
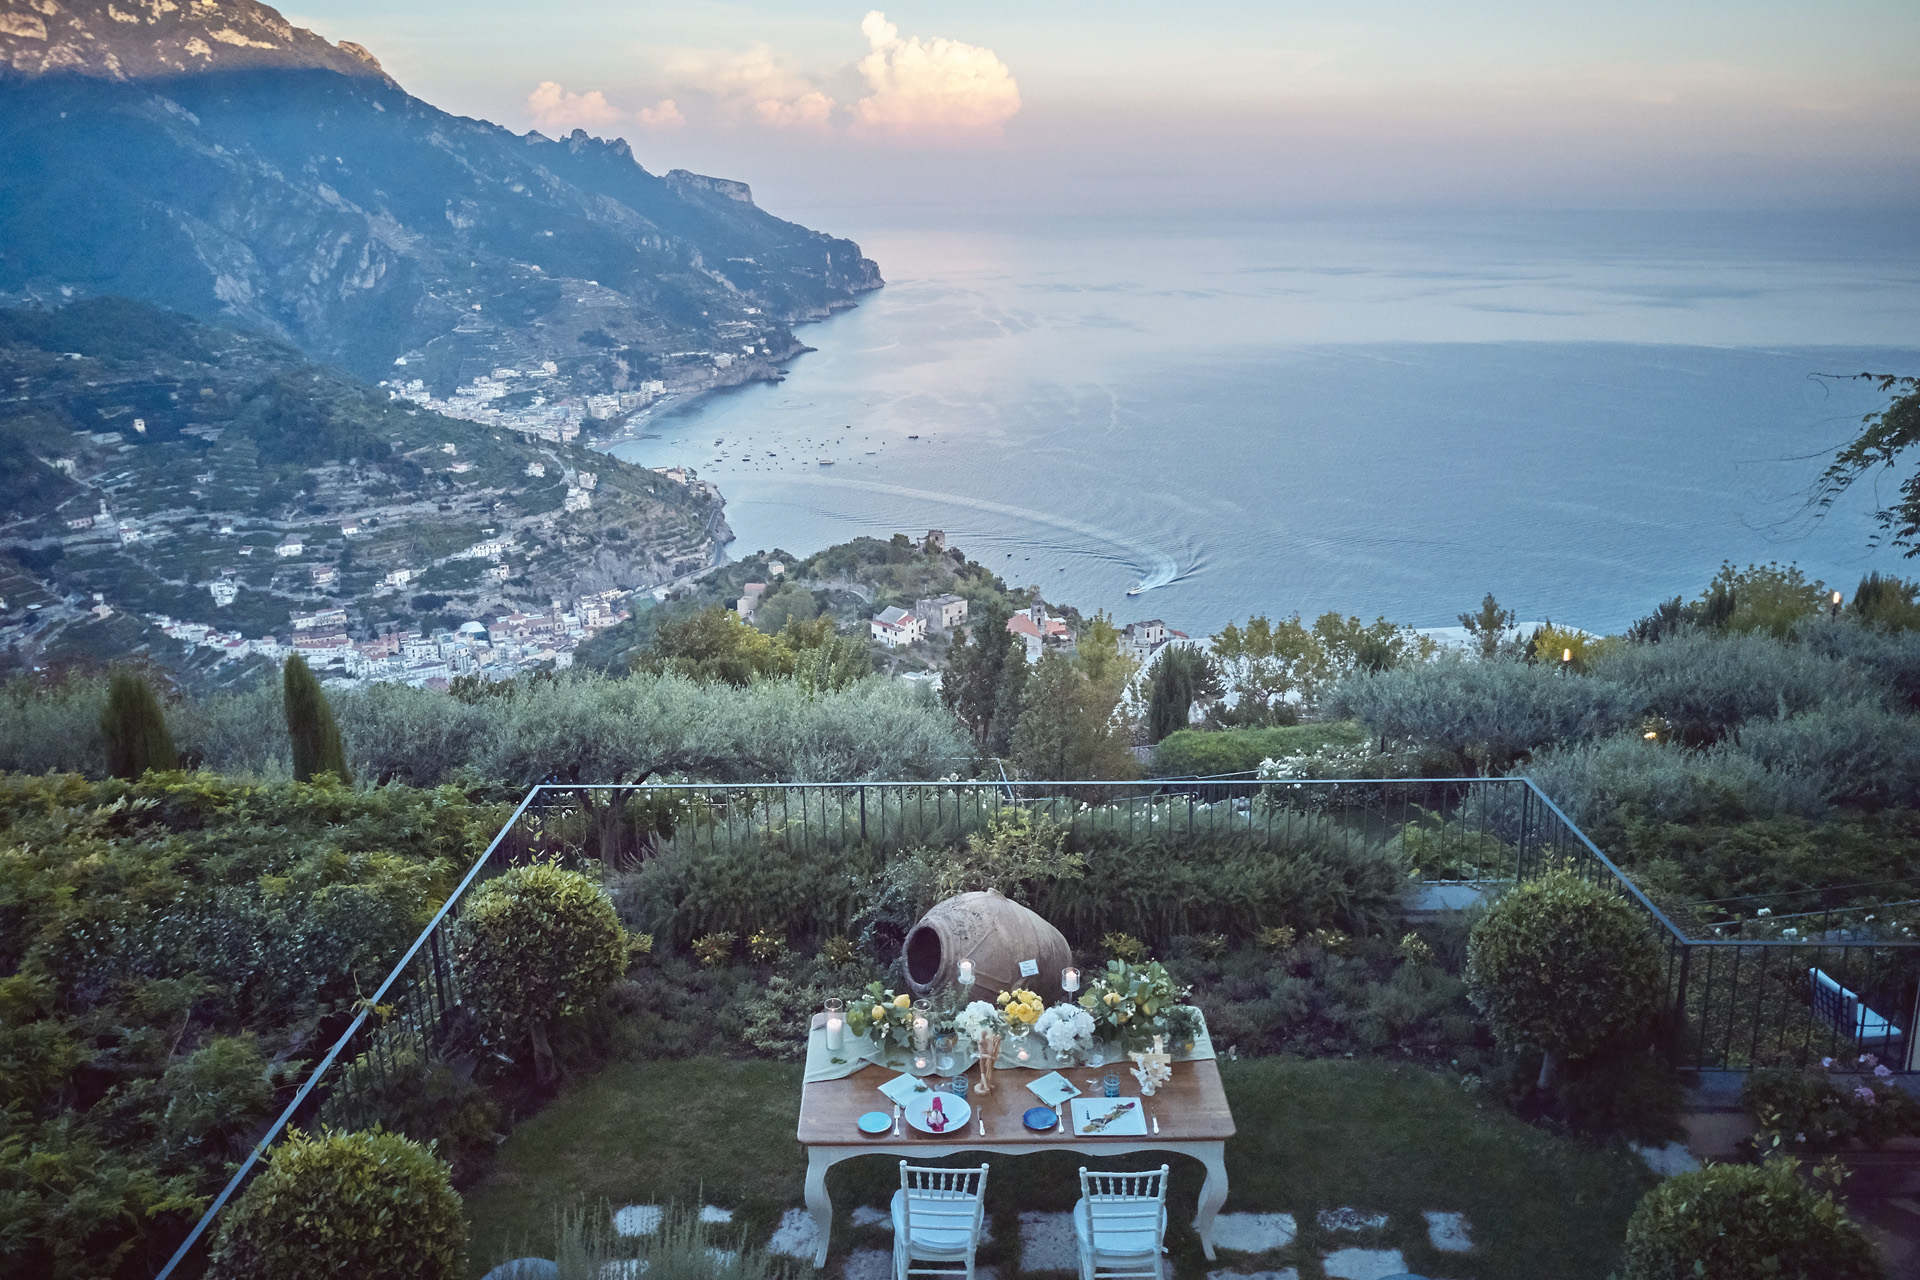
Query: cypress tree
(135, 729)
(316, 739)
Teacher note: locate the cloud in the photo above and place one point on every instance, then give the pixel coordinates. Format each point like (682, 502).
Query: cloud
(931, 86)
(743, 79)
(813, 109)
(554, 108)
(664, 114)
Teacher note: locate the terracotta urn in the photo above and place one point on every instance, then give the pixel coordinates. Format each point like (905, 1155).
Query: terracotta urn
(998, 935)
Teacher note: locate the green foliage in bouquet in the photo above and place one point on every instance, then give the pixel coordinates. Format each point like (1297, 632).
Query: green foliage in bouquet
(1131, 1003)
(887, 1014)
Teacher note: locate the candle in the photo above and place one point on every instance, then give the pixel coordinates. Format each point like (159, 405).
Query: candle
(1070, 979)
(966, 973)
(836, 1028)
(1020, 1054)
(920, 1033)
(920, 1064)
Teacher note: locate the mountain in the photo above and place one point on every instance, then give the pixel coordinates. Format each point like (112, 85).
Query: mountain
(212, 158)
(154, 464)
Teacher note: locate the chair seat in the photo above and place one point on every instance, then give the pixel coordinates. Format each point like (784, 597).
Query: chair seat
(936, 1242)
(1129, 1241)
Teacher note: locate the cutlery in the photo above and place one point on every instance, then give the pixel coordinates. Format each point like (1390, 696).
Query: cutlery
(896, 1119)
(982, 1125)
(1060, 1124)
(1156, 1123)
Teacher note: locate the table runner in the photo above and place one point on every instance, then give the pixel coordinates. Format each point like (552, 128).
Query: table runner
(858, 1052)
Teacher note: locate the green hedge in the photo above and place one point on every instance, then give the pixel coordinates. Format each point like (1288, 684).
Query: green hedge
(1204, 753)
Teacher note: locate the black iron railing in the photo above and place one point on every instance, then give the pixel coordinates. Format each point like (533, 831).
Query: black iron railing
(1734, 1003)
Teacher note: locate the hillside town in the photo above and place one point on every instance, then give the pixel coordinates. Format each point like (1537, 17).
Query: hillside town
(525, 401)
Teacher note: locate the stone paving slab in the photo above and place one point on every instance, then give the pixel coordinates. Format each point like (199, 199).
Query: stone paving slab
(524, 1269)
(1448, 1232)
(865, 1215)
(1364, 1264)
(1047, 1243)
(1254, 1232)
(1284, 1273)
(1349, 1219)
(714, 1213)
(1668, 1160)
(870, 1264)
(637, 1219)
(796, 1236)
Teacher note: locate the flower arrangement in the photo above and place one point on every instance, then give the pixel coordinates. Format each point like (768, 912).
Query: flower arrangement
(1022, 1009)
(1132, 1003)
(977, 1020)
(1067, 1029)
(888, 1015)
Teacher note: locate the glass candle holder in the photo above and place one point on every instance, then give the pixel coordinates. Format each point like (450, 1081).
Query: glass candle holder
(836, 1024)
(1022, 1046)
(1069, 979)
(945, 1047)
(966, 976)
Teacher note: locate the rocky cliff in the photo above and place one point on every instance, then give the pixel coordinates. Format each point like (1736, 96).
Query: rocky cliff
(210, 157)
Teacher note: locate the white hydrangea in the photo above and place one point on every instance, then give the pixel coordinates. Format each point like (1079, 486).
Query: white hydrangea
(1066, 1028)
(977, 1019)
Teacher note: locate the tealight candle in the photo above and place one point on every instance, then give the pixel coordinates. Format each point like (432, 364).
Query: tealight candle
(1021, 1055)
(1069, 980)
(966, 973)
(920, 1063)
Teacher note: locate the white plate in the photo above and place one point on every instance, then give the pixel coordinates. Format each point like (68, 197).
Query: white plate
(957, 1110)
(1132, 1121)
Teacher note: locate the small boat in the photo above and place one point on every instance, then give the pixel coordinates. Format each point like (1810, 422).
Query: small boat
(826, 462)
(913, 437)
(1136, 591)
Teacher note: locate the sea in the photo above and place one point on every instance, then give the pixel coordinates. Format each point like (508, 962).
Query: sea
(1382, 414)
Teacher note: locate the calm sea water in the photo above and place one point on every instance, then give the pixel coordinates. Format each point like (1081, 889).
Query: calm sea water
(1390, 416)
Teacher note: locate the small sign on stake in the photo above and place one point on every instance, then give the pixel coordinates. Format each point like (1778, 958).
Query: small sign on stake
(1029, 968)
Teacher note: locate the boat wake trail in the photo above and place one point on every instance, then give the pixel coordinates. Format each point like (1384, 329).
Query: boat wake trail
(1157, 568)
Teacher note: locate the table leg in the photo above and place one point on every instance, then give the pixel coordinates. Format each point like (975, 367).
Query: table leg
(1213, 1193)
(819, 1204)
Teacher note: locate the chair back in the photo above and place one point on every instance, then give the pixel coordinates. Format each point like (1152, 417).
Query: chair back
(1126, 1212)
(943, 1203)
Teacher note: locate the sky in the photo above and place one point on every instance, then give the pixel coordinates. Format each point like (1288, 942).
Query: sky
(1118, 105)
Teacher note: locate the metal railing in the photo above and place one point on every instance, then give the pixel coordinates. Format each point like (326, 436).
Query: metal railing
(1734, 1003)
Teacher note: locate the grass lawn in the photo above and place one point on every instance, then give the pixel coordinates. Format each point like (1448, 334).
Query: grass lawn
(1313, 1135)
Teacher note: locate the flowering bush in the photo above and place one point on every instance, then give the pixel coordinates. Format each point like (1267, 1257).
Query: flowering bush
(1023, 1008)
(1066, 1029)
(1132, 1003)
(886, 1013)
(978, 1019)
(1824, 1105)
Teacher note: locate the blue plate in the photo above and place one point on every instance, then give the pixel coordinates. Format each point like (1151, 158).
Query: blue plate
(1039, 1119)
(876, 1122)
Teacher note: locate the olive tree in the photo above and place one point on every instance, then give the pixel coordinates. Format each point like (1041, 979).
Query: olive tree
(345, 1204)
(1745, 1220)
(537, 944)
(1563, 966)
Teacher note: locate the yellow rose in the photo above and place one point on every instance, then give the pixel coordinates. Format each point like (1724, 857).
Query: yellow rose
(1003, 997)
(879, 1013)
(903, 1001)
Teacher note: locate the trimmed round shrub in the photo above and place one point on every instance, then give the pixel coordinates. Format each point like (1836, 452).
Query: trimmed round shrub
(365, 1203)
(1563, 966)
(1734, 1220)
(534, 945)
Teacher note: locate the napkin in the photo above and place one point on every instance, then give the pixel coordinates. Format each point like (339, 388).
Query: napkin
(903, 1087)
(1053, 1088)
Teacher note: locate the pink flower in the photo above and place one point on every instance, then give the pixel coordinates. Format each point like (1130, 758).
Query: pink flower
(1882, 1072)
(1866, 1095)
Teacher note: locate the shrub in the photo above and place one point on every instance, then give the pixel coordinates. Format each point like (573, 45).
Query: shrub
(838, 951)
(537, 944)
(1815, 1108)
(1745, 1220)
(1600, 784)
(1199, 753)
(713, 950)
(1123, 946)
(766, 946)
(316, 738)
(344, 1204)
(1562, 965)
(134, 729)
(398, 1089)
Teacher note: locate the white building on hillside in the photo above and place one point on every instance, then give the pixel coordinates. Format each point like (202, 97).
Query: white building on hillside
(895, 627)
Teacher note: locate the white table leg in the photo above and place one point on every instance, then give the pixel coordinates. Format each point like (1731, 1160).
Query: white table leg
(1213, 1193)
(819, 1204)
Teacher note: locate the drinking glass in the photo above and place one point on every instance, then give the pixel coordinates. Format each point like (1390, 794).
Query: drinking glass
(1110, 1085)
(944, 1057)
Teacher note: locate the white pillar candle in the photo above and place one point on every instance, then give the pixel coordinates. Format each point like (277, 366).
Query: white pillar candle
(836, 1029)
(966, 973)
(1070, 980)
(919, 1033)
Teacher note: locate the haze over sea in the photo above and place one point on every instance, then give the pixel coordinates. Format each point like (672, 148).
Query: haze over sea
(1391, 415)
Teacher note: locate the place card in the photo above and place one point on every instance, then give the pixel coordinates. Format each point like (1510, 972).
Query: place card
(1029, 968)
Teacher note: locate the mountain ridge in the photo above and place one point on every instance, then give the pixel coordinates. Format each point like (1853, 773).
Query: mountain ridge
(301, 192)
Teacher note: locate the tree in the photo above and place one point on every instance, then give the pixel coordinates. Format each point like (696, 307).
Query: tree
(1745, 1220)
(1009, 698)
(1886, 602)
(345, 1204)
(1890, 432)
(1489, 626)
(713, 644)
(1563, 966)
(1067, 728)
(537, 944)
(1351, 645)
(974, 667)
(317, 748)
(134, 728)
(1264, 661)
(1178, 674)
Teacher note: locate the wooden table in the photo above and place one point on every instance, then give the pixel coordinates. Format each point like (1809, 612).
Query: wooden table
(1192, 1109)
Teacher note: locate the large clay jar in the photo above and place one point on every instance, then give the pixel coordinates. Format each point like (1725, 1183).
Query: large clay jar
(997, 935)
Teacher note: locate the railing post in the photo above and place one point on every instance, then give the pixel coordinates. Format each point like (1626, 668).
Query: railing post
(863, 815)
